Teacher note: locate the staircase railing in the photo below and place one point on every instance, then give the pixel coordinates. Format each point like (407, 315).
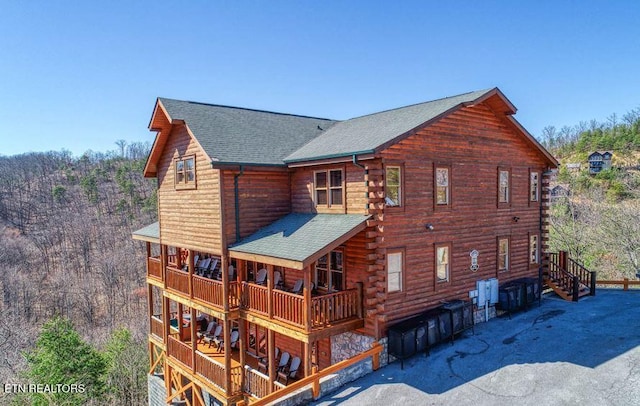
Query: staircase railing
(586, 277)
(570, 275)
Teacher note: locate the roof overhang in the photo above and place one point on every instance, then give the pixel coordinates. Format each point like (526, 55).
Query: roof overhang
(298, 239)
(150, 233)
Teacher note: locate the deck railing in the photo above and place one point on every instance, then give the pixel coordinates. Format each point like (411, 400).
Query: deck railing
(255, 297)
(625, 283)
(335, 307)
(154, 268)
(179, 351)
(586, 277)
(289, 307)
(255, 383)
(208, 290)
(177, 280)
(157, 328)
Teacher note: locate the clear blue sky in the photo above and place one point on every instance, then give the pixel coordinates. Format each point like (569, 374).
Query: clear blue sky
(80, 75)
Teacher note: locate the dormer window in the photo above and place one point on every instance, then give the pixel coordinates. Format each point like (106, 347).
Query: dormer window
(185, 172)
(329, 188)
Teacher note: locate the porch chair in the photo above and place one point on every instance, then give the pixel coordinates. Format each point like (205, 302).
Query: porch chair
(211, 271)
(231, 273)
(278, 283)
(233, 340)
(213, 338)
(203, 266)
(291, 372)
(263, 362)
(261, 277)
(202, 334)
(284, 361)
(297, 287)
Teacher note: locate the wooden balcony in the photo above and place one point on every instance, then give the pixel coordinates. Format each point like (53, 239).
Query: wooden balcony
(256, 383)
(207, 365)
(324, 311)
(154, 268)
(206, 290)
(157, 327)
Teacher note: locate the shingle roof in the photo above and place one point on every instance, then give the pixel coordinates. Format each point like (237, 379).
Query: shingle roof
(365, 134)
(148, 233)
(238, 135)
(298, 236)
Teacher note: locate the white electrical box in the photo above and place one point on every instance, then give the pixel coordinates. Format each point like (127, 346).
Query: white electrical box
(481, 287)
(492, 290)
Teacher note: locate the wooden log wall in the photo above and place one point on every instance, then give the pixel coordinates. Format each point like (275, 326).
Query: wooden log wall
(189, 218)
(264, 197)
(473, 142)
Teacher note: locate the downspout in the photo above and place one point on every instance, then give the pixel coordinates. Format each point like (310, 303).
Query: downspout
(354, 159)
(236, 199)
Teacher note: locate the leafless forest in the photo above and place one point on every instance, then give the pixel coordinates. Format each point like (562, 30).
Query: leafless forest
(66, 247)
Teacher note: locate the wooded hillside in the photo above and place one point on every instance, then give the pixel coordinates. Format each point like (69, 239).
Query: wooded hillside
(66, 247)
(598, 221)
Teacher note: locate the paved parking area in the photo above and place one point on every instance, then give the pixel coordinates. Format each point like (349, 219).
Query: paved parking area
(560, 353)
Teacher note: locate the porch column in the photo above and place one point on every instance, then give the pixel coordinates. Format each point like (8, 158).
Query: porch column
(227, 353)
(180, 329)
(242, 344)
(271, 343)
(164, 260)
(241, 276)
(166, 318)
(307, 297)
(307, 359)
(148, 246)
(190, 269)
(224, 268)
(270, 290)
(194, 340)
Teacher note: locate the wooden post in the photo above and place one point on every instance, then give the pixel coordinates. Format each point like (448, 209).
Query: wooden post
(166, 318)
(242, 344)
(315, 387)
(625, 285)
(360, 299)
(180, 329)
(271, 346)
(592, 287)
(375, 358)
(164, 260)
(150, 299)
(194, 341)
(190, 269)
(270, 290)
(307, 359)
(562, 260)
(227, 354)
(224, 268)
(148, 246)
(306, 292)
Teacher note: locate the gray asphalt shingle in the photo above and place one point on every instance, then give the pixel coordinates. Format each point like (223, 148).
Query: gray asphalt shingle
(298, 236)
(152, 231)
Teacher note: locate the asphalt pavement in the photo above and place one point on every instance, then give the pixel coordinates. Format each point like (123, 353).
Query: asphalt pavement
(558, 353)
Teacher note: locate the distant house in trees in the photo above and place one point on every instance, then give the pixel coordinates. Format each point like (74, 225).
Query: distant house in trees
(573, 167)
(559, 192)
(599, 161)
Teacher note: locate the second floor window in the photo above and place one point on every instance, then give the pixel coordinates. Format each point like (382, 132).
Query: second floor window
(392, 189)
(394, 271)
(185, 176)
(442, 186)
(503, 186)
(329, 188)
(329, 271)
(533, 186)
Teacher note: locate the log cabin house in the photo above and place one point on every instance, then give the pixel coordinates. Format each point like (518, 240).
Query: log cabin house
(312, 236)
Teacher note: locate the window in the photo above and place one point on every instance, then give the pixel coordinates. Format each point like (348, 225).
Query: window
(533, 249)
(328, 188)
(443, 261)
(329, 271)
(503, 254)
(394, 271)
(533, 186)
(392, 189)
(442, 186)
(503, 186)
(185, 177)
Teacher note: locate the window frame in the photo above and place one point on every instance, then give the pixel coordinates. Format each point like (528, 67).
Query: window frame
(448, 204)
(507, 203)
(507, 254)
(534, 256)
(534, 199)
(401, 272)
(400, 185)
(330, 271)
(185, 183)
(437, 279)
(328, 188)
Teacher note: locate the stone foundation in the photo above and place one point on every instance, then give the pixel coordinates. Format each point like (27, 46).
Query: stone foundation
(480, 315)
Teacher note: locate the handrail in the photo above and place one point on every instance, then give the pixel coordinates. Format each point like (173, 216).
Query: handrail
(624, 282)
(177, 280)
(563, 278)
(211, 291)
(586, 277)
(180, 351)
(314, 378)
(333, 307)
(154, 268)
(157, 327)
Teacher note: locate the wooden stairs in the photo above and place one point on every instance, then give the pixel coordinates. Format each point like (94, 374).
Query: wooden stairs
(567, 278)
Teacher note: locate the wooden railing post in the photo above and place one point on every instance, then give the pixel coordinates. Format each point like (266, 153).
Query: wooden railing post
(306, 292)
(270, 290)
(190, 268)
(360, 299)
(164, 260)
(576, 288)
(592, 287)
(562, 260)
(315, 386)
(375, 358)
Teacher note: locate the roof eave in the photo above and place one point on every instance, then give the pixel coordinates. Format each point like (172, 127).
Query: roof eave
(312, 160)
